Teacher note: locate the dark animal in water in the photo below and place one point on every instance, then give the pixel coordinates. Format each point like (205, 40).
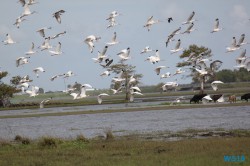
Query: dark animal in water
(245, 97)
(197, 98)
(216, 97)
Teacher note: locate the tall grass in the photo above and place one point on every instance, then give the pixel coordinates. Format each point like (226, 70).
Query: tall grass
(125, 151)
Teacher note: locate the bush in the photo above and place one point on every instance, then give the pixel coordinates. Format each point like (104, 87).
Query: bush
(26, 141)
(49, 142)
(81, 138)
(109, 135)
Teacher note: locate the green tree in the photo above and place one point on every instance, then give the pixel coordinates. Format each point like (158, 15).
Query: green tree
(197, 59)
(127, 71)
(6, 91)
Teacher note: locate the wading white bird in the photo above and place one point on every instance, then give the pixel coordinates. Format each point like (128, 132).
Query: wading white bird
(177, 47)
(44, 102)
(166, 75)
(57, 15)
(206, 99)
(215, 84)
(57, 51)
(27, 11)
(31, 50)
(189, 29)
(154, 59)
(41, 31)
(177, 100)
(150, 22)
(132, 79)
(113, 40)
(18, 21)
(158, 69)
(33, 92)
(8, 40)
(216, 26)
(21, 61)
(82, 93)
(38, 70)
(46, 45)
(146, 49)
(190, 18)
(99, 97)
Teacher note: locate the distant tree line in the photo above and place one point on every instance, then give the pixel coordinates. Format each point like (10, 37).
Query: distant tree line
(227, 75)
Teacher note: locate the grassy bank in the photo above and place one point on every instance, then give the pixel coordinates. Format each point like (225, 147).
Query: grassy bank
(127, 150)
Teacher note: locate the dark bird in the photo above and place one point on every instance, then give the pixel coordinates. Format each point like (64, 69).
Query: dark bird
(170, 19)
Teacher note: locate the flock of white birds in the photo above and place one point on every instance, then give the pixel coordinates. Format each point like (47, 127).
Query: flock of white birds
(122, 57)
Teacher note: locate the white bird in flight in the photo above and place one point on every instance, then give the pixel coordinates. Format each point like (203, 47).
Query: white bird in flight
(166, 75)
(99, 97)
(27, 11)
(177, 47)
(216, 26)
(57, 51)
(58, 35)
(89, 40)
(190, 18)
(233, 46)
(33, 92)
(154, 59)
(146, 49)
(44, 101)
(46, 45)
(215, 84)
(113, 14)
(150, 22)
(31, 50)
(101, 55)
(82, 93)
(38, 70)
(8, 40)
(158, 69)
(22, 61)
(41, 31)
(189, 29)
(124, 54)
(18, 21)
(113, 40)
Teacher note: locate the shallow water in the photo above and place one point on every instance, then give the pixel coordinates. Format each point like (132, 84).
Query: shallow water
(122, 123)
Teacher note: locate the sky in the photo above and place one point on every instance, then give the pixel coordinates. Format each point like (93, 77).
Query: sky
(83, 18)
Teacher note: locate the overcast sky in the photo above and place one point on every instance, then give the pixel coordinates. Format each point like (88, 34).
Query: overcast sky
(83, 18)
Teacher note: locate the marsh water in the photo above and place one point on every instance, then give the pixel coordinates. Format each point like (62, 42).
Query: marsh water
(121, 123)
